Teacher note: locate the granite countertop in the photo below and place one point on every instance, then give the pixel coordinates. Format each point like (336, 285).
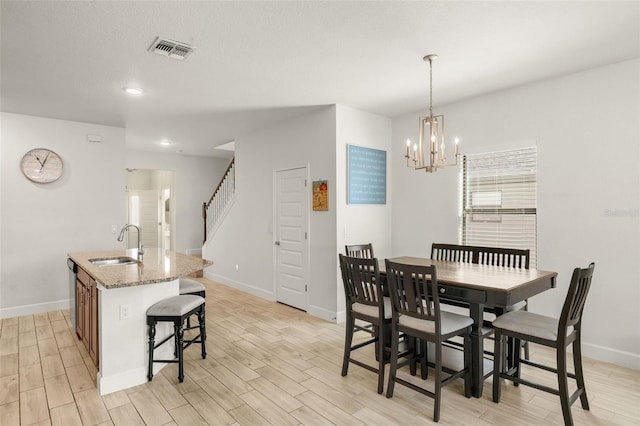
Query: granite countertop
(157, 266)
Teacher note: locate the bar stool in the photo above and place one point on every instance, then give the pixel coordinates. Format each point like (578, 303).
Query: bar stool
(189, 286)
(176, 309)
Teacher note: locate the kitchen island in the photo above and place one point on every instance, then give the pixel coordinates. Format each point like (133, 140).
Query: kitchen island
(123, 293)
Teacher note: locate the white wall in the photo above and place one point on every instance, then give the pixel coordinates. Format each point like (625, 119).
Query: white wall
(425, 205)
(40, 224)
(196, 179)
(361, 223)
(586, 128)
(245, 238)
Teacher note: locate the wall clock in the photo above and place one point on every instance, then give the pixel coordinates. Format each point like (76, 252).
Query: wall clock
(41, 165)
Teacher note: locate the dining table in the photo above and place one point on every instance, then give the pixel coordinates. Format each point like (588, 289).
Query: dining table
(479, 286)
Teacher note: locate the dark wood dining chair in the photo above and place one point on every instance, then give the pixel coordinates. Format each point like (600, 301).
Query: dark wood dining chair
(416, 313)
(554, 333)
(453, 253)
(462, 254)
(364, 251)
(511, 258)
(365, 302)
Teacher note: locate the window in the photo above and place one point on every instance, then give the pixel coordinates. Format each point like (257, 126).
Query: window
(498, 200)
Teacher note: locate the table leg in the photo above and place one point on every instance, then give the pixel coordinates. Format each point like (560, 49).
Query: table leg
(386, 329)
(477, 350)
(509, 353)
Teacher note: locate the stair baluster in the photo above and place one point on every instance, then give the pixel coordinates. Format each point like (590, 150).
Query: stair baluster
(213, 210)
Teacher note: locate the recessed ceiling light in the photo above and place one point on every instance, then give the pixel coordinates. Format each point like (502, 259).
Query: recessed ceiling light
(165, 142)
(136, 91)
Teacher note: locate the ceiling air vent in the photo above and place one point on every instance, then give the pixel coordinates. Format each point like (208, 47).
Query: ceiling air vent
(171, 48)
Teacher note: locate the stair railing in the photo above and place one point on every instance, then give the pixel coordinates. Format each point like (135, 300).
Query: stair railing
(214, 209)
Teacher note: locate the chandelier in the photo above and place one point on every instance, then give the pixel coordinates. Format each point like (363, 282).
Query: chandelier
(428, 153)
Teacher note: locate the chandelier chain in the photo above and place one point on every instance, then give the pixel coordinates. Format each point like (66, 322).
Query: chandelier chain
(430, 88)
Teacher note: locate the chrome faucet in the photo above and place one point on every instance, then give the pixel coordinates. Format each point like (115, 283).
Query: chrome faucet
(121, 237)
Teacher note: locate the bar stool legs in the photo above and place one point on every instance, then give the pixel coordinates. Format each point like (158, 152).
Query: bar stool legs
(152, 335)
(176, 310)
(180, 346)
(203, 332)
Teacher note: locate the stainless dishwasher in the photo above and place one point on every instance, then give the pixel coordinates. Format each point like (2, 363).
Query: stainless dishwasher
(73, 273)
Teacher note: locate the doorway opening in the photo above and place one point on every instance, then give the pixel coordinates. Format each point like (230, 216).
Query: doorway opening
(151, 206)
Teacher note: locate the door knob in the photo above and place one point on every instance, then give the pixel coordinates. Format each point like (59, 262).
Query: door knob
(277, 243)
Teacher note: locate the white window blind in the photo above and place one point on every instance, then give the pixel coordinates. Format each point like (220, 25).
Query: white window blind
(498, 200)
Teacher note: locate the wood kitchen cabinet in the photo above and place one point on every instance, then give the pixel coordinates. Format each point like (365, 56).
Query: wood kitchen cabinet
(87, 313)
(80, 290)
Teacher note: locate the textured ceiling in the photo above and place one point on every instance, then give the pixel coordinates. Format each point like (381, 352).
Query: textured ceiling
(257, 63)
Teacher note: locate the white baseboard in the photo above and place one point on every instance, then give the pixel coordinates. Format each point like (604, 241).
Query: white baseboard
(37, 308)
(613, 356)
(316, 311)
(121, 381)
(131, 378)
(262, 293)
(194, 252)
(322, 313)
(341, 317)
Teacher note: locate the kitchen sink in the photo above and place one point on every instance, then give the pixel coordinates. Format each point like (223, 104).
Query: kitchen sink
(113, 261)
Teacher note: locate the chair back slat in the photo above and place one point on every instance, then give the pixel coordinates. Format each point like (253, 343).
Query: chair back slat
(576, 297)
(364, 251)
(498, 256)
(361, 279)
(452, 253)
(413, 291)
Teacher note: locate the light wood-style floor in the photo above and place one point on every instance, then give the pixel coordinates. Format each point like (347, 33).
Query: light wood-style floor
(267, 364)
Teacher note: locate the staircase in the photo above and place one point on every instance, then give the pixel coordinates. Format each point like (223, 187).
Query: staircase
(214, 210)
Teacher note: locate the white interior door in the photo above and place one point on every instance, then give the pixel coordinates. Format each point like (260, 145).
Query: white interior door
(144, 213)
(291, 237)
(165, 215)
(150, 204)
